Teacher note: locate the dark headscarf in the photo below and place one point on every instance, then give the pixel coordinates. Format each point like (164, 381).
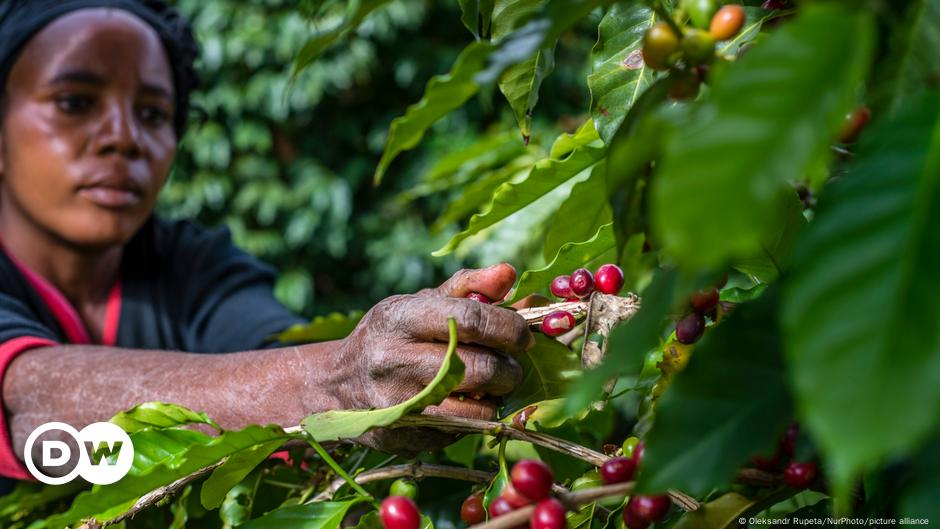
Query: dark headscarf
(21, 19)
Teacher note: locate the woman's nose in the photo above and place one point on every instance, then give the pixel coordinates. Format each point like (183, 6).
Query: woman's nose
(119, 131)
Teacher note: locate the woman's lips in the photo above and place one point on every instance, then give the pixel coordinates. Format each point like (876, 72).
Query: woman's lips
(111, 197)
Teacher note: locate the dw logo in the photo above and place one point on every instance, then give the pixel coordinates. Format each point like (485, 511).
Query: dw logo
(105, 453)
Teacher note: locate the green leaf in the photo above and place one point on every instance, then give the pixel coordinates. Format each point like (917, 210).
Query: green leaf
(511, 197)
(520, 84)
(919, 498)
(481, 191)
(318, 515)
(477, 16)
(766, 120)
(910, 66)
(343, 424)
(565, 143)
(442, 94)
(581, 215)
(599, 249)
(628, 343)
(323, 328)
(238, 465)
(777, 244)
(153, 447)
(719, 513)
(729, 403)
(237, 505)
(547, 369)
(465, 450)
(754, 20)
(861, 306)
(104, 502)
(357, 11)
(619, 76)
(159, 415)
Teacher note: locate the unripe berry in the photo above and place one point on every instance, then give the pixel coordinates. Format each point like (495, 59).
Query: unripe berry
(650, 508)
(800, 475)
(727, 22)
(704, 300)
(690, 328)
(699, 46)
(472, 511)
(399, 512)
(532, 478)
(629, 445)
(675, 357)
(561, 287)
(618, 470)
(549, 514)
(514, 497)
(632, 521)
(659, 44)
(855, 121)
(404, 487)
(476, 296)
(582, 282)
(557, 323)
(684, 85)
(700, 11)
(609, 279)
(499, 507)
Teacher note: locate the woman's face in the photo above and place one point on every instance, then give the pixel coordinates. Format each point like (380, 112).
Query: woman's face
(87, 133)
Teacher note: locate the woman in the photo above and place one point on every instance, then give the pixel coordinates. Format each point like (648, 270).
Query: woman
(103, 306)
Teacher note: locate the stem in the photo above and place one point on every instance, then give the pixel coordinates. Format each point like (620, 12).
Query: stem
(339, 470)
(415, 470)
(498, 429)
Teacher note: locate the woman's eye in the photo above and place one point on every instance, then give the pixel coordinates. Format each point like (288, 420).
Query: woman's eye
(154, 115)
(73, 103)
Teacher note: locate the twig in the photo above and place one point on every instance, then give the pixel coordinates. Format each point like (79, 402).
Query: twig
(414, 470)
(571, 501)
(463, 425)
(535, 315)
(152, 497)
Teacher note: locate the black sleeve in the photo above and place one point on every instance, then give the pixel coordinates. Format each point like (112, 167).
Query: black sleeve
(17, 320)
(227, 300)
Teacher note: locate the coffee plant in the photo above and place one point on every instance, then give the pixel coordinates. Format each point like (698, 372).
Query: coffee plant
(739, 238)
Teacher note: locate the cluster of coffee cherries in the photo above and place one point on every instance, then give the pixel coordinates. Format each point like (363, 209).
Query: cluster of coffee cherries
(580, 285)
(797, 474)
(530, 481)
(689, 51)
(399, 511)
(704, 302)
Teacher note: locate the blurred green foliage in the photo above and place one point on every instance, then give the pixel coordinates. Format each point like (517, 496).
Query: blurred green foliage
(287, 163)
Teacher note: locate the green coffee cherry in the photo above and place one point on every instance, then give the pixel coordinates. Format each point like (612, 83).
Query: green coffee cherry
(404, 487)
(700, 11)
(629, 445)
(698, 46)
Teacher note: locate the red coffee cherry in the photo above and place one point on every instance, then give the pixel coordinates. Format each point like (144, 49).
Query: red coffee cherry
(399, 512)
(727, 22)
(789, 439)
(704, 300)
(561, 288)
(690, 328)
(532, 478)
(609, 279)
(472, 511)
(476, 296)
(618, 470)
(499, 507)
(650, 508)
(855, 122)
(638, 452)
(632, 521)
(582, 282)
(800, 475)
(558, 323)
(515, 498)
(549, 514)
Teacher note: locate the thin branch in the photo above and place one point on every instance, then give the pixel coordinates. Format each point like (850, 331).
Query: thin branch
(462, 425)
(416, 470)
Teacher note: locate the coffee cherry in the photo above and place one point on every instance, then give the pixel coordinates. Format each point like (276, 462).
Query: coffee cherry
(650, 508)
(704, 300)
(532, 478)
(698, 46)
(399, 512)
(404, 487)
(800, 475)
(476, 296)
(684, 85)
(659, 44)
(618, 470)
(549, 514)
(855, 121)
(638, 453)
(561, 288)
(515, 498)
(472, 511)
(675, 357)
(499, 507)
(690, 328)
(789, 439)
(609, 279)
(727, 22)
(629, 445)
(557, 323)
(582, 282)
(700, 11)
(632, 521)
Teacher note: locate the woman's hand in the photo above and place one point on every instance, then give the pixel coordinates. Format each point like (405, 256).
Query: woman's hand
(399, 345)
